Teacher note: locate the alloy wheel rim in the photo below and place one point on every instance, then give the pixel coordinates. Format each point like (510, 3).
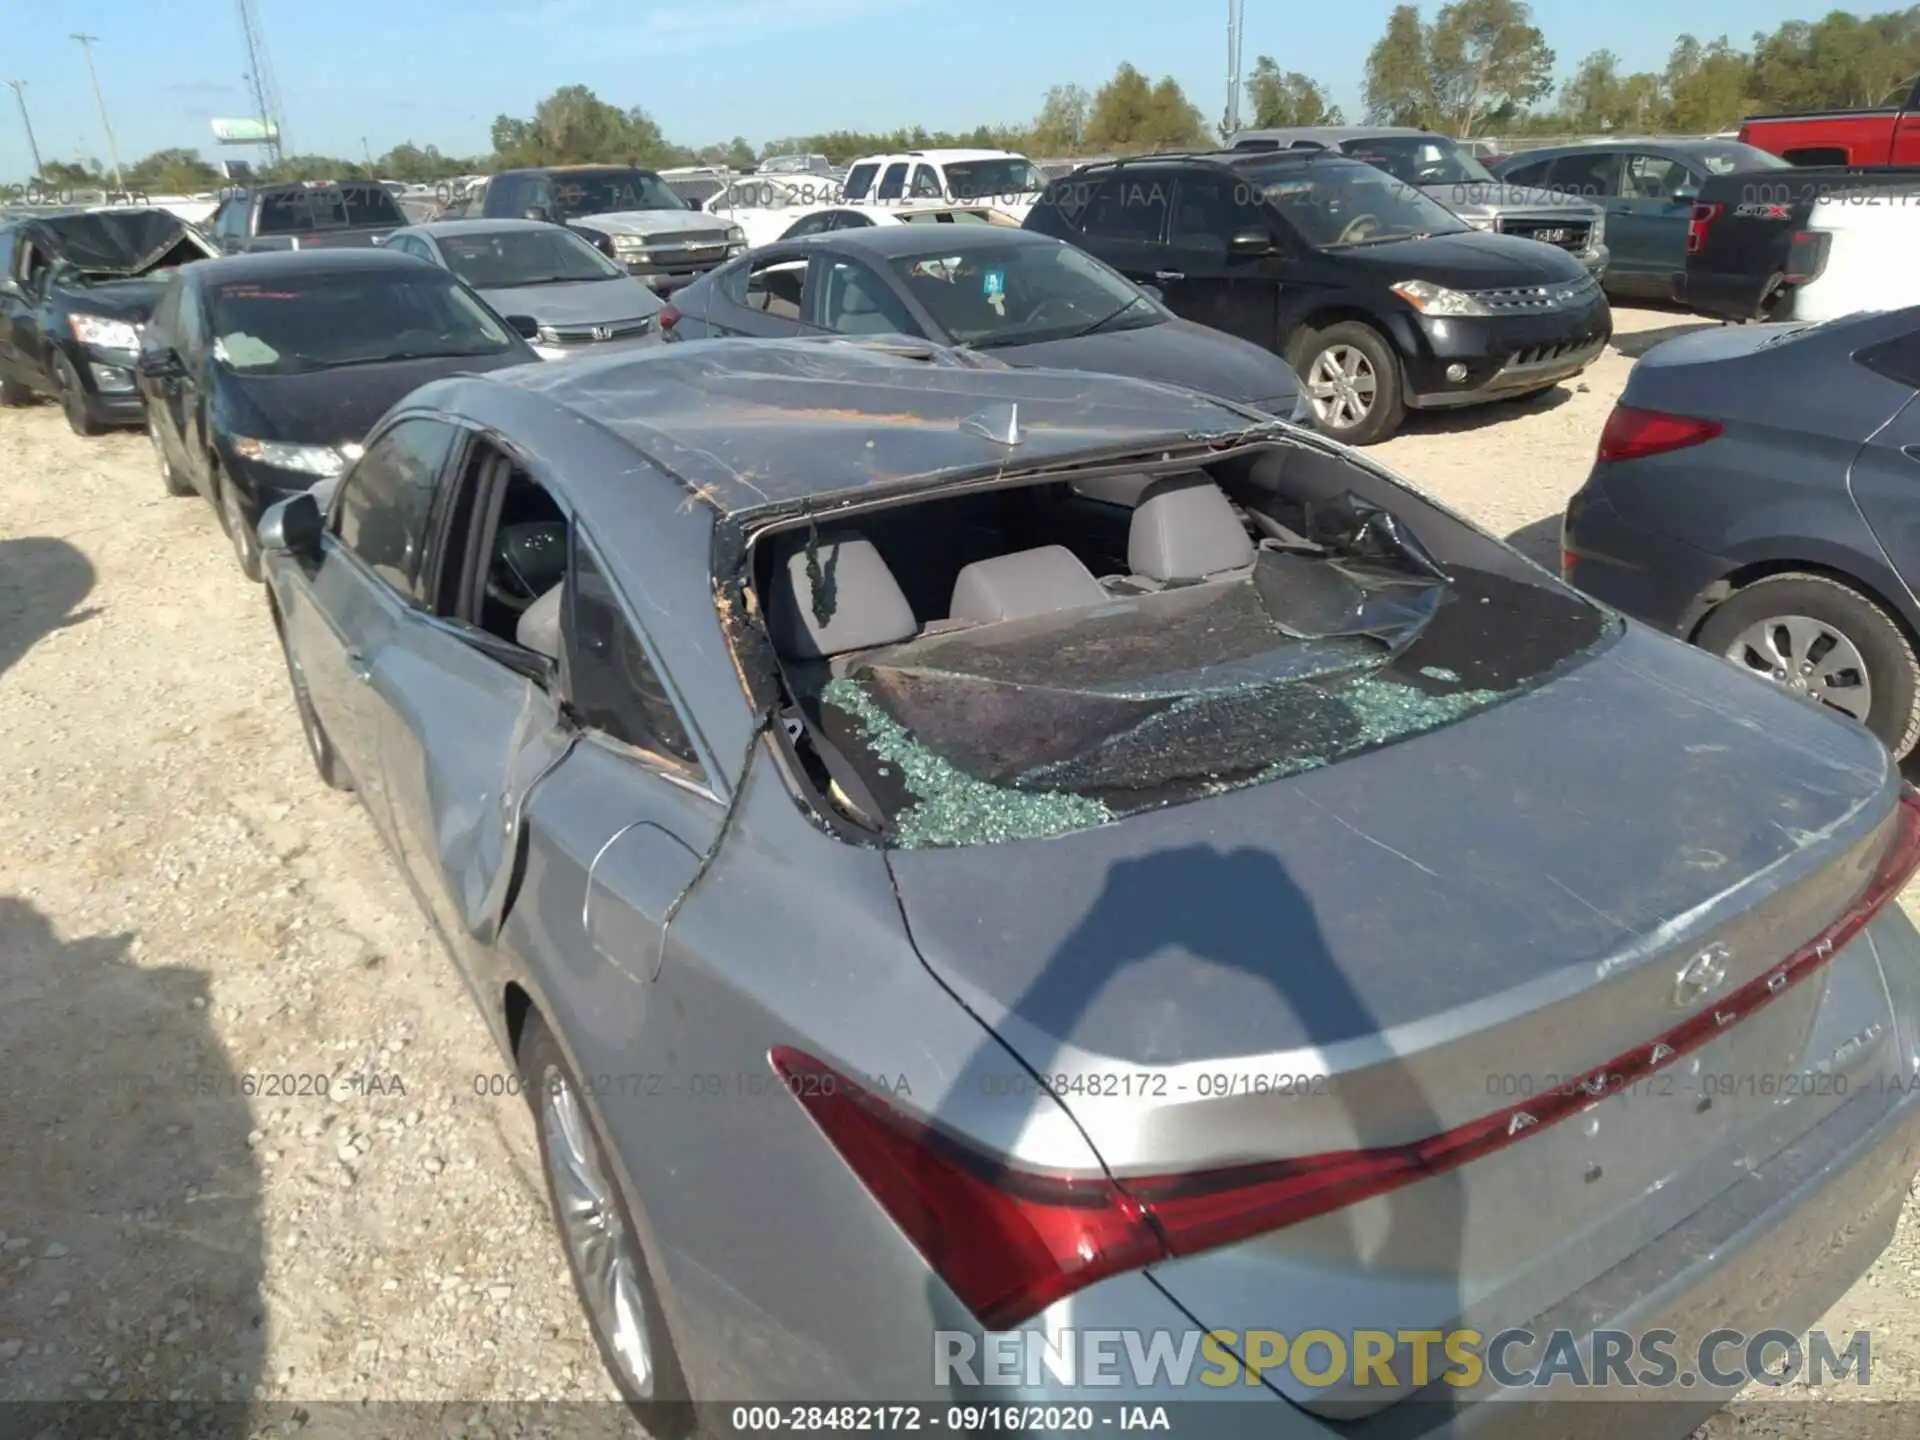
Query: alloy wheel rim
(1809, 658)
(1342, 386)
(603, 1252)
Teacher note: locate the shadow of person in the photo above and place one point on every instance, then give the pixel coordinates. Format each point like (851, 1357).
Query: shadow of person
(1201, 953)
(42, 582)
(132, 1263)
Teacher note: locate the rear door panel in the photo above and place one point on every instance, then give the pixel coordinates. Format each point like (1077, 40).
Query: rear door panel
(1885, 481)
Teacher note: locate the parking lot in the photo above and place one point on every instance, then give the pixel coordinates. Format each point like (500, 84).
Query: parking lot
(254, 1142)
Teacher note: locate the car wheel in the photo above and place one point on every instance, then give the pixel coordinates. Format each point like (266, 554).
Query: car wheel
(1351, 377)
(73, 397)
(325, 758)
(610, 1270)
(176, 483)
(246, 540)
(13, 393)
(1826, 641)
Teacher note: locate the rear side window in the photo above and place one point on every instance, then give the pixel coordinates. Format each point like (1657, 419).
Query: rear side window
(1534, 174)
(610, 680)
(1128, 207)
(860, 180)
(893, 184)
(1586, 175)
(385, 503)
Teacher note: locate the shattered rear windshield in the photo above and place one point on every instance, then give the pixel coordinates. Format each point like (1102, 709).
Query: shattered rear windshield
(1061, 722)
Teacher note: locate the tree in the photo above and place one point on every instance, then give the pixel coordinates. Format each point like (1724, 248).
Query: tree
(1061, 126)
(172, 172)
(1709, 87)
(574, 126)
(1278, 99)
(72, 175)
(1598, 97)
(1842, 60)
(1128, 113)
(1478, 58)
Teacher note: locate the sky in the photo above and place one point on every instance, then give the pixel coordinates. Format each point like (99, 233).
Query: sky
(706, 70)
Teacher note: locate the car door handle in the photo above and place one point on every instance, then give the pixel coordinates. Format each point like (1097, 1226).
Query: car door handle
(1169, 275)
(357, 663)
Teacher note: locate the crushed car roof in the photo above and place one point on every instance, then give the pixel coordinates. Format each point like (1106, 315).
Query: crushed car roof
(752, 425)
(114, 241)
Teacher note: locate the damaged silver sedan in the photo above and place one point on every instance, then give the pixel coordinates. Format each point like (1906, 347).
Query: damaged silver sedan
(957, 852)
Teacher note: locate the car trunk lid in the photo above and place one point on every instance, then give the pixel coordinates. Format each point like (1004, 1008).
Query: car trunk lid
(1410, 946)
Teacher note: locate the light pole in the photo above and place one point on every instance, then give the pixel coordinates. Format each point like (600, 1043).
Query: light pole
(19, 88)
(86, 46)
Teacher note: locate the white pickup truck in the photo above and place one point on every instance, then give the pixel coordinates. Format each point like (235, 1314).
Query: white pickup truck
(999, 179)
(1856, 252)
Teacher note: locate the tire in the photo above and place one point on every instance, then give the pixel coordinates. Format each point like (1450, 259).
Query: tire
(661, 1404)
(13, 394)
(1358, 352)
(73, 398)
(175, 482)
(233, 520)
(1783, 611)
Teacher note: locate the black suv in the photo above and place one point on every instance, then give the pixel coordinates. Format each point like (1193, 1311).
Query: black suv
(1380, 298)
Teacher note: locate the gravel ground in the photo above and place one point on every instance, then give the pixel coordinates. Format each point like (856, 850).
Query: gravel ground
(247, 1145)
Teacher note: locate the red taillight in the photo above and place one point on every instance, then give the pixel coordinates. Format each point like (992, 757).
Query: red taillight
(1009, 1242)
(1806, 257)
(1567, 561)
(1698, 223)
(669, 317)
(1632, 434)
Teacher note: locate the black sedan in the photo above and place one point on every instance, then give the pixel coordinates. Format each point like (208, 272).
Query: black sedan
(1029, 299)
(262, 373)
(1756, 493)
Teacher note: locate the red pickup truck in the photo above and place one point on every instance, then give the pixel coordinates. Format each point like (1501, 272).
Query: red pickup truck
(1886, 134)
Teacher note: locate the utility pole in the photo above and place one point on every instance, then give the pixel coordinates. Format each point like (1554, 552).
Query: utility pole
(86, 46)
(1236, 39)
(19, 88)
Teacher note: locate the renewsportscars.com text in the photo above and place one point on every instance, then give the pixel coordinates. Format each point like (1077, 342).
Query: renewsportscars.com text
(1320, 1359)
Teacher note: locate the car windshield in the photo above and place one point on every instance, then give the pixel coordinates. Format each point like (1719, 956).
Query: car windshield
(1017, 294)
(1335, 204)
(547, 255)
(1420, 159)
(293, 324)
(986, 179)
(327, 207)
(1729, 159)
(605, 192)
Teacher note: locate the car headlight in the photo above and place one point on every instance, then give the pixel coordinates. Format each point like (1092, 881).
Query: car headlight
(105, 334)
(1597, 236)
(1479, 222)
(321, 460)
(1431, 299)
(735, 235)
(630, 247)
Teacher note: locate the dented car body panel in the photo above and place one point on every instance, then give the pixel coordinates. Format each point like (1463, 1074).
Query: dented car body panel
(1529, 840)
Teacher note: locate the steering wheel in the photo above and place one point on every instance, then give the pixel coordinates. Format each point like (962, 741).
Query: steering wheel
(528, 560)
(1357, 229)
(1035, 317)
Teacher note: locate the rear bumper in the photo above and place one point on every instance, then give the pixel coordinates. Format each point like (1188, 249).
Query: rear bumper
(1503, 355)
(1723, 296)
(1656, 580)
(1774, 1253)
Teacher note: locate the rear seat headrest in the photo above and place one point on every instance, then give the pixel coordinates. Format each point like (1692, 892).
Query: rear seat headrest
(1027, 582)
(861, 601)
(1184, 528)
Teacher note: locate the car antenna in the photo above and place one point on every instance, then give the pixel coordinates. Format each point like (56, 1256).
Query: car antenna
(998, 423)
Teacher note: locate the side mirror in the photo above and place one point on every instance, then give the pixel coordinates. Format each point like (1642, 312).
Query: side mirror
(160, 364)
(525, 326)
(537, 212)
(1250, 242)
(1153, 293)
(293, 527)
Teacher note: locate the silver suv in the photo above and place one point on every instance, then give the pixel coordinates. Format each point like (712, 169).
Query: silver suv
(1441, 167)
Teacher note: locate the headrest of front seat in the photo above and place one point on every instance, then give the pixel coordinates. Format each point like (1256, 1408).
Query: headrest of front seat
(1184, 528)
(858, 604)
(1027, 582)
(538, 629)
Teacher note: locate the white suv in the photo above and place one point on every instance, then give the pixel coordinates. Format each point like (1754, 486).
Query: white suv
(997, 178)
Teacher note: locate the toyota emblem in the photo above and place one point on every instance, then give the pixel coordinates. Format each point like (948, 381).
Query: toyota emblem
(1702, 975)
